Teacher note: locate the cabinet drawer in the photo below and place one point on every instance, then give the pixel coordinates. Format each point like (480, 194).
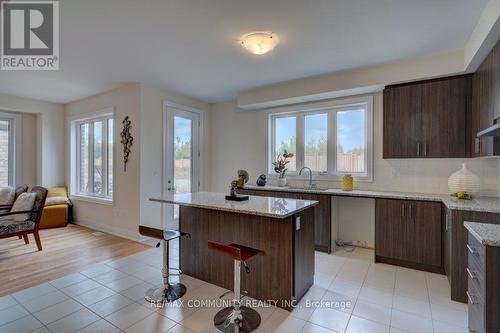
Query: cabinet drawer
(476, 251)
(475, 276)
(476, 310)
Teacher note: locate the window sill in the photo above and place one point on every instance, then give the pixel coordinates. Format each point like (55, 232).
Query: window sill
(97, 200)
(321, 177)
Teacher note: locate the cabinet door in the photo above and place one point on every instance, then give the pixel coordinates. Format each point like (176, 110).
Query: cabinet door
(426, 229)
(402, 132)
(322, 221)
(392, 233)
(445, 104)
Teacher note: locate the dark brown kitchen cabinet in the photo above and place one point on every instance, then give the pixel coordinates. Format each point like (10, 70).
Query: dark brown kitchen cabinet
(402, 122)
(486, 104)
(322, 214)
(408, 233)
(427, 119)
(458, 235)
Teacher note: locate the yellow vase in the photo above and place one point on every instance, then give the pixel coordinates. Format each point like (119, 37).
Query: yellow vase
(347, 183)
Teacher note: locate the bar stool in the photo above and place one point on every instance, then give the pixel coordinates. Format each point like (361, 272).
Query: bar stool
(236, 318)
(166, 292)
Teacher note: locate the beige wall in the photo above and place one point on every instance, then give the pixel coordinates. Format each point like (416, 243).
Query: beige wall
(239, 142)
(151, 174)
(143, 178)
(122, 217)
(29, 148)
(351, 82)
(49, 133)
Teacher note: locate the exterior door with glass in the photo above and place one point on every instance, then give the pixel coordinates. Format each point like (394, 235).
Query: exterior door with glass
(181, 163)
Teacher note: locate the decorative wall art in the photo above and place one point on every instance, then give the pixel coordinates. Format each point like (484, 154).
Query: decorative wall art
(126, 141)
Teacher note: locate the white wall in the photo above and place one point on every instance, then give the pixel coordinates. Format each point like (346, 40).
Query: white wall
(351, 82)
(28, 150)
(151, 170)
(239, 142)
(122, 217)
(49, 136)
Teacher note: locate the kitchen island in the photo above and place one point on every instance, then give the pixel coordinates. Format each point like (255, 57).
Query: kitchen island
(282, 228)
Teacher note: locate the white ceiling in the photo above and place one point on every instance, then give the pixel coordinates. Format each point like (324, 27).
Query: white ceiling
(190, 46)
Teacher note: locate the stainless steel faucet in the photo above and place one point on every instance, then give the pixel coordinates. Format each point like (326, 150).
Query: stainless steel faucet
(311, 185)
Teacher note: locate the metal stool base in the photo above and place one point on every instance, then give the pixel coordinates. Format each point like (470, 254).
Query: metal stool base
(249, 323)
(159, 294)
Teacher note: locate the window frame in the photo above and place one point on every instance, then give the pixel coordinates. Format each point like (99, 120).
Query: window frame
(75, 153)
(331, 108)
(15, 143)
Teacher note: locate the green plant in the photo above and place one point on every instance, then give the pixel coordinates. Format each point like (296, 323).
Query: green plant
(280, 164)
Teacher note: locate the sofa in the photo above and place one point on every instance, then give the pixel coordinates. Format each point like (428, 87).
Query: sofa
(57, 209)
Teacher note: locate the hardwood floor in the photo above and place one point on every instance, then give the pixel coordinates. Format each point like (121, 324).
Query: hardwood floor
(65, 250)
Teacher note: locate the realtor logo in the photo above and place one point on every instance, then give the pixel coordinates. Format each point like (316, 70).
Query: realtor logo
(29, 35)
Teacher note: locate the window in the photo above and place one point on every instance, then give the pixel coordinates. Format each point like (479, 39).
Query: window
(285, 138)
(6, 152)
(93, 170)
(331, 138)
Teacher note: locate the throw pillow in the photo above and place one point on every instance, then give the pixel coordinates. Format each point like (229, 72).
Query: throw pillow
(24, 202)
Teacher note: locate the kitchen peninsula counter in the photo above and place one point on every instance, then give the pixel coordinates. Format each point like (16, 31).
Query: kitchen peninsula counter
(282, 228)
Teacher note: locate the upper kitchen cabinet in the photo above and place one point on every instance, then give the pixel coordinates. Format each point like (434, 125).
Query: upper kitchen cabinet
(486, 104)
(402, 121)
(427, 119)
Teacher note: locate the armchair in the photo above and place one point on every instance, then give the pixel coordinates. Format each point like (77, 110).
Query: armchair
(9, 227)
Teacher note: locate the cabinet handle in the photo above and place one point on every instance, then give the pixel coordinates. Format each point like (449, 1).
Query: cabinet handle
(403, 210)
(471, 274)
(471, 299)
(472, 250)
(426, 147)
(418, 148)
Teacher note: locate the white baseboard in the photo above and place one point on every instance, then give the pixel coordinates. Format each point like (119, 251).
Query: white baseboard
(120, 232)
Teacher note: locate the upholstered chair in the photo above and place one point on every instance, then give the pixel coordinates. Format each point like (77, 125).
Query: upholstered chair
(11, 226)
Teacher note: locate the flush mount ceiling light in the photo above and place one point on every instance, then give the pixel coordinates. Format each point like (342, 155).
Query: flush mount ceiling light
(259, 42)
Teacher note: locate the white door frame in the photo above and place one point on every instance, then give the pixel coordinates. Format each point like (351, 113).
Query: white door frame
(167, 150)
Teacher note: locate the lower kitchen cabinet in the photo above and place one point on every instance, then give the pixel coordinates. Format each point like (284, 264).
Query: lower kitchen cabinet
(483, 291)
(322, 214)
(409, 233)
(456, 241)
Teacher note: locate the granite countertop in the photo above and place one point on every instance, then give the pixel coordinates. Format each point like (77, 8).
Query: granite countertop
(480, 204)
(486, 233)
(256, 205)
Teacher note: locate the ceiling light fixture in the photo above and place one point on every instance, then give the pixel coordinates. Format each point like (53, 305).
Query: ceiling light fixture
(259, 42)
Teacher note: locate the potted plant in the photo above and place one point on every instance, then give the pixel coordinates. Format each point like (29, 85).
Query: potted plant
(280, 166)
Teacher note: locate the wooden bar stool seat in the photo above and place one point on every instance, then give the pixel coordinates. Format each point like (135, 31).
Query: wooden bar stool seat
(166, 292)
(236, 318)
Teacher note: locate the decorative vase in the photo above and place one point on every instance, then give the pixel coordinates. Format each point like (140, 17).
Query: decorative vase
(347, 183)
(281, 181)
(464, 180)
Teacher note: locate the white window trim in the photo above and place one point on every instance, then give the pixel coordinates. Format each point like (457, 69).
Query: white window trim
(15, 147)
(315, 108)
(74, 123)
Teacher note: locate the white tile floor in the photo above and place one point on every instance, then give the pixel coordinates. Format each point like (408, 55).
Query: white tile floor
(351, 294)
